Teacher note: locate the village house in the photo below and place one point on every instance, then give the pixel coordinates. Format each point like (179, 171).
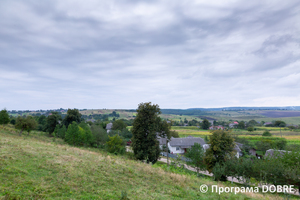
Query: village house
(216, 127)
(267, 123)
(180, 145)
(108, 127)
(233, 125)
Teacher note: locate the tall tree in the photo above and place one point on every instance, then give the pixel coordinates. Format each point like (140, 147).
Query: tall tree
(52, 121)
(241, 125)
(72, 134)
(221, 148)
(25, 124)
(144, 141)
(205, 124)
(4, 117)
(73, 115)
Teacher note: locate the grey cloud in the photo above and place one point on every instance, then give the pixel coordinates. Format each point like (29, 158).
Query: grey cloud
(118, 54)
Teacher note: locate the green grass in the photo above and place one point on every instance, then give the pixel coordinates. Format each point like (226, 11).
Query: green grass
(37, 167)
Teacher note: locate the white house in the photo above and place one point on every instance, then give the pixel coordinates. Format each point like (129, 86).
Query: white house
(109, 127)
(180, 145)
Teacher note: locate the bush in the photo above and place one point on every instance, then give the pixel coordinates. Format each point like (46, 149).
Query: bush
(266, 134)
(115, 145)
(60, 131)
(100, 135)
(79, 135)
(219, 172)
(250, 129)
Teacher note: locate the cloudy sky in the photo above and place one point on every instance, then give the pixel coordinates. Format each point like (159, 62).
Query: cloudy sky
(177, 54)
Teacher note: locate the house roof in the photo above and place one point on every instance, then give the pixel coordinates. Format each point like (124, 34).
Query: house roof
(109, 126)
(239, 144)
(271, 152)
(186, 142)
(237, 148)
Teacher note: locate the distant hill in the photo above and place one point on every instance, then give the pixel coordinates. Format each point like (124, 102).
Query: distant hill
(247, 108)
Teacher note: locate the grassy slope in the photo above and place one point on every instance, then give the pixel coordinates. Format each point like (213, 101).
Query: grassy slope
(35, 167)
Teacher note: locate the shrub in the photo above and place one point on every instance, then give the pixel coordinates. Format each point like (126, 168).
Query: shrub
(250, 129)
(115, 145)
(100, 135)
(266, 134)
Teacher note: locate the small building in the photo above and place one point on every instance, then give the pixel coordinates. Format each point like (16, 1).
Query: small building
(109, 127)
(233, 125)
(267, 123)
(216, 127)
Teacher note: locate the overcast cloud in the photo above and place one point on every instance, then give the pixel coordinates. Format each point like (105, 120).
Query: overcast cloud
(178, 54)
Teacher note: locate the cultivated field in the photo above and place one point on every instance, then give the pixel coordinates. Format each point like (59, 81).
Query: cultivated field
(291, 136)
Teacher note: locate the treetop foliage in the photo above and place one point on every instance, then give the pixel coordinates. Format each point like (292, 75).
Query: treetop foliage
(25, 124)
(221, 148)
(73, 115)
(4, 117)
(145, 126)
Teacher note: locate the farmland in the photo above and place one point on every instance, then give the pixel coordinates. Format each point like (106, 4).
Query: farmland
(293, 137)
(290, 117)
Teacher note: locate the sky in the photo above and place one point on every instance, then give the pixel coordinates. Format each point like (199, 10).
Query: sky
(178, 54)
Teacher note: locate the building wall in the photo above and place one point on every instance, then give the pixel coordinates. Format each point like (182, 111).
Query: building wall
(173, 149)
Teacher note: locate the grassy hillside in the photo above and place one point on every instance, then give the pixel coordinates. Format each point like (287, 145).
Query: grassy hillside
(36, 167)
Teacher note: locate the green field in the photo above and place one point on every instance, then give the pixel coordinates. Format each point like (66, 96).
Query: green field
(291, 136)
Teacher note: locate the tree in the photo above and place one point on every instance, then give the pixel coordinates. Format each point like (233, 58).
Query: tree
(42, 121)
(72, 134)
(266, 133)
(252, 123)
(86, 136)
(241, 125)
(144, 141)
(60, 131)
(119, 125)
(205, 124)
(13, 121)
(99, 134)
(4, 117)
(279, 123)
(25, 124)
(52, 121)
(221, 148)
(73, 115)
(115, 145)
(196, 155)
(250, 129)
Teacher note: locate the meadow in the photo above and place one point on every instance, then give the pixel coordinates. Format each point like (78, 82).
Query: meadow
(39, 167)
